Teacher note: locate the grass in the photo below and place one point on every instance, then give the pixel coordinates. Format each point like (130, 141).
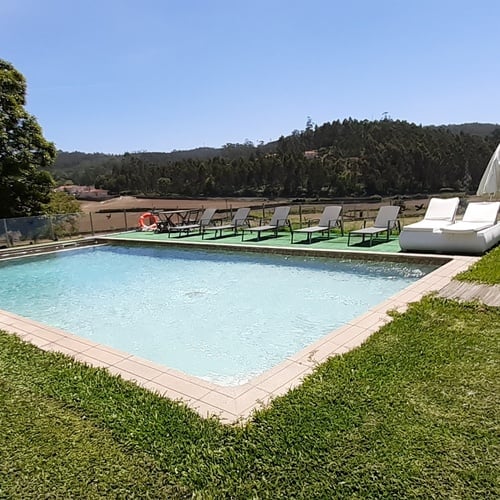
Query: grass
(486, 270)
(413, 413)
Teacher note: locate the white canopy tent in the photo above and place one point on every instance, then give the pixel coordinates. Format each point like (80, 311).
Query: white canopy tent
(490, 182)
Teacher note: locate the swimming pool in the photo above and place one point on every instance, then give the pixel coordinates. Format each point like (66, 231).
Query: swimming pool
(221, 316)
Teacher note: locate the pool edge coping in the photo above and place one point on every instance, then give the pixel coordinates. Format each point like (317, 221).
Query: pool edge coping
(236, 404)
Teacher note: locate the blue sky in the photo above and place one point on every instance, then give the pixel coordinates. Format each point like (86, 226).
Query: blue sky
(156, 75)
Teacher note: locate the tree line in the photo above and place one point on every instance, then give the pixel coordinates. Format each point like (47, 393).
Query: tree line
(339, 158)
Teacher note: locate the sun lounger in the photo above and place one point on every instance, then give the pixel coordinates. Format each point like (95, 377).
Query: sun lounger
(330, 218)
(277, 222)
(385, 222)
(239, 220)
(476, 233)
(477, 216)
(425, 234)
(205, 220)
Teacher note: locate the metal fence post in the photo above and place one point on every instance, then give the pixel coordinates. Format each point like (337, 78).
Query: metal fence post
(125, 217)
(7, 239)
(91, 224)
(51, 225)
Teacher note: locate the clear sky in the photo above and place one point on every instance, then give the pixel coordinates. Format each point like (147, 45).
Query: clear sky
(156, 75)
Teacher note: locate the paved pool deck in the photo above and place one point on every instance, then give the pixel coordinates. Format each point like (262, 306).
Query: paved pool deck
(236, 404)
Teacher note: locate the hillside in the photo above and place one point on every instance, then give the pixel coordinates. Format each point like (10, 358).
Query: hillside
(336, 159)
(480, 129)
(68, 163)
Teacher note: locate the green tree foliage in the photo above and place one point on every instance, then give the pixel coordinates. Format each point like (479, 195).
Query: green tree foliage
(25, 184)
(62, 203)
(349, 158)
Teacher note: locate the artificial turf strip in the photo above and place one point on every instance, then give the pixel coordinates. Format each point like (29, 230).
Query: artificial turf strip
(335, 242)
(486, 270)
(412, 413)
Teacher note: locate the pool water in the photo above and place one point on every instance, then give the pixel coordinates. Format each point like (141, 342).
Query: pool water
(221, 316)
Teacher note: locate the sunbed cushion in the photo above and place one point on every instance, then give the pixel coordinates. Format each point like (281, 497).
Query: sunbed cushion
(427, 225)
(441, 209)
(465, 227)
(482, 212)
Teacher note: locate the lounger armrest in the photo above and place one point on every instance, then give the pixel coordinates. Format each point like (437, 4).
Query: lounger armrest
(334, 222)
(392, 224)
(241, 222)
(282, 222)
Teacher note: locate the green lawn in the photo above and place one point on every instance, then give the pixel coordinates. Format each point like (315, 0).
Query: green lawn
(413, 413)
(486, 270)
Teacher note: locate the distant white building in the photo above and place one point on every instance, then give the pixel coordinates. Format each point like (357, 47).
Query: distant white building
(85, 192)
(311, 154)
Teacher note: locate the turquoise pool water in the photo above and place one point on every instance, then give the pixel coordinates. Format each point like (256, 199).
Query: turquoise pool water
(221, 316)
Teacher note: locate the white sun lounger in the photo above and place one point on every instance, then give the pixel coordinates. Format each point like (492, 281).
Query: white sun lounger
(329, 219)
(277, 222)
(476, 233)
(425, 234)
(239, 220)
(477, 216)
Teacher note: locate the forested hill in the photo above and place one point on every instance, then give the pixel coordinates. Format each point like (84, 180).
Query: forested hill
(340, 158)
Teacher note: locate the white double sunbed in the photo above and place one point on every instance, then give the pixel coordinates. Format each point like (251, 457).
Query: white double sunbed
(476, 232)
(425, 235)
(438, 231)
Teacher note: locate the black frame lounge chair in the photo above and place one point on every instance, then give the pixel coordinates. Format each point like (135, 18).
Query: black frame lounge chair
(278, 221)
(205, 220)
(330, 218)
(385, 222)
(240, 219)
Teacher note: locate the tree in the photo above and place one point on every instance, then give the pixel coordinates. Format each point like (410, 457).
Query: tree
(25, 156)
(164, 185)
(62, 203)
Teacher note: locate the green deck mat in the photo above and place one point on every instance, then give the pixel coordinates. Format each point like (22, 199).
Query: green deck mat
(335, 242)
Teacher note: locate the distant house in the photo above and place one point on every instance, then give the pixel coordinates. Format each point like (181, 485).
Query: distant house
(311, 154)
(85, 192)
